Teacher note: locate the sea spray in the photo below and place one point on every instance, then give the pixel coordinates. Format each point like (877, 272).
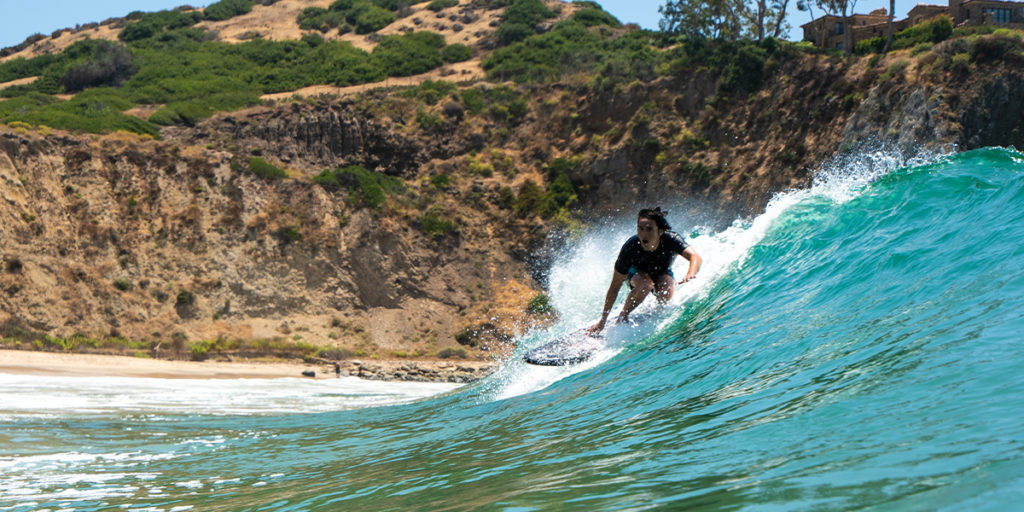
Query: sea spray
(54, 396)
(580, 273)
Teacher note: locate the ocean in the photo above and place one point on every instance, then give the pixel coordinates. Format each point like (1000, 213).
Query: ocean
(859, 345)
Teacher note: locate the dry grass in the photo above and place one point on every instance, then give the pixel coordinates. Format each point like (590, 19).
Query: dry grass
(459, 72)
(20, 81)
(277, 22)
(50, 45)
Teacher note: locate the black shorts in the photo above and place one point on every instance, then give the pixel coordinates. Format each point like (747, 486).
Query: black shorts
(634, 271)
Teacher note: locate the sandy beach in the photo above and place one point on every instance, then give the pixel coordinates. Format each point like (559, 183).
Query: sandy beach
(65, 364)
(51, 363)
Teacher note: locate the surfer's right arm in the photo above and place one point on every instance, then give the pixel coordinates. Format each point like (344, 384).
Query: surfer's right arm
(609, 300)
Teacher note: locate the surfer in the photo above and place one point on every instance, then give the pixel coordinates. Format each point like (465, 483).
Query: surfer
(645, 261)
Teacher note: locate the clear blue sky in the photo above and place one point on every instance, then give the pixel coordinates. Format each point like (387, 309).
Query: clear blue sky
(22, 18)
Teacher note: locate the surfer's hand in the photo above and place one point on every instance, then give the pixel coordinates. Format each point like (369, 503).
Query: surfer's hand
(596, 328)
(689, 277)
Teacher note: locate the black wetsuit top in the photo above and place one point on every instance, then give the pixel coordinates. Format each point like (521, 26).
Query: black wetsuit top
(634, 259)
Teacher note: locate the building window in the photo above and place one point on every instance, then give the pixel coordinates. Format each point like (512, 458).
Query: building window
(999, 15)
(839, 29)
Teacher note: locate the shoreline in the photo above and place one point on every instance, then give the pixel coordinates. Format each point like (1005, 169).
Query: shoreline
(30, 362)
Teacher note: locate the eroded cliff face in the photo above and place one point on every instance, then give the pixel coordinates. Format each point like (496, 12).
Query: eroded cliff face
(175, 239)
(142, 239)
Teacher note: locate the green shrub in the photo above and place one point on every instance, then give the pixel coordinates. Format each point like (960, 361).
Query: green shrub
(743, 74)
(506, 198)
(561, 194)
(435, 225)
(527, 12)
(478, 167)
(921, 48)
(264, 169)
(192, 111)
(509, 33)
(428, 121)
(540, 304)
(530, 200)
(448, 353)
(367, 17)
(571, 48)
(563, 165)
(164, 117)
(973, 31)
(894, 69)
(438, 5)
(21, 67)
(409, 54)
(519, 20)
(995, 47)
(317, 18)
(313, 40)
(934, 31)
(960, 63)
(199, 350)
(93, 111)
(441, 181)
(391, 5)
(852, 100)
(430, 91)
(592, 16)
(110, 64)
(872, 45)
(456, 53)
(155, 23)
(289, 233)
(364, 186)
(474, 100)
(226, 9)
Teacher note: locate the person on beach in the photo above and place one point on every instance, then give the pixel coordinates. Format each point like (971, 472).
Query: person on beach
(645, 262)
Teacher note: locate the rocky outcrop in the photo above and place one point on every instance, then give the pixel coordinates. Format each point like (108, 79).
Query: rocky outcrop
(461, 372)
(993, 112)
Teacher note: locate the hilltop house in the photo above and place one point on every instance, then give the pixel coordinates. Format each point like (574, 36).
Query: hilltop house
(831, 31)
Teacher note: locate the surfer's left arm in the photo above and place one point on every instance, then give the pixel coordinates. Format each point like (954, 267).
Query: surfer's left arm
(695, 261)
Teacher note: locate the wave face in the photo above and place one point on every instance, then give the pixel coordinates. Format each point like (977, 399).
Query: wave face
(858, 345)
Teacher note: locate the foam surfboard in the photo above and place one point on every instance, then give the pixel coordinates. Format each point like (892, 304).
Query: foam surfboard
(572, 348)
(578, 346)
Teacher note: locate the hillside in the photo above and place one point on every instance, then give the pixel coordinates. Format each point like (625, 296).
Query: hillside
(412, 220)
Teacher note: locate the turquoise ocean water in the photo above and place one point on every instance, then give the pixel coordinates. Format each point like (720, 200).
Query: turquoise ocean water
(859, 345)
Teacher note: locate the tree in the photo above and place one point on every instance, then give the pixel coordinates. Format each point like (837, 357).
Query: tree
(725, 19)
(710, 19)
(888, 29)
(110, 64)
(767, 18)
(808, 6)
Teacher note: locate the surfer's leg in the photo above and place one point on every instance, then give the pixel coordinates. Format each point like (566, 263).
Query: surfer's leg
(640, 286)
(664, 287)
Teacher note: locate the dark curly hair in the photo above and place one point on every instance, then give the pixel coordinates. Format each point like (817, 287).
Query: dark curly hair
(657, 215)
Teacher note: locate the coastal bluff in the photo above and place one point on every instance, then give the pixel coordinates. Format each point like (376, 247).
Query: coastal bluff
(435, 252)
